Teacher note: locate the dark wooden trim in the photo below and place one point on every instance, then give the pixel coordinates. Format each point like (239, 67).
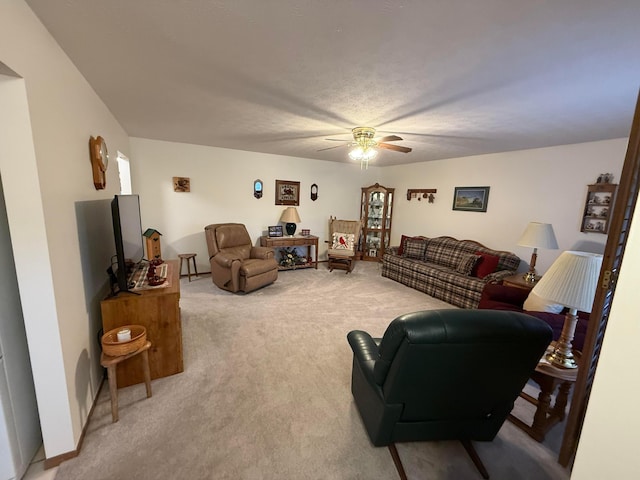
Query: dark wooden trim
(475, 458)
(623, 214)
(52, 462)
(397, 462)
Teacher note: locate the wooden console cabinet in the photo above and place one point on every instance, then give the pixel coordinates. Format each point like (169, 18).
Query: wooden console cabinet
(158, 310)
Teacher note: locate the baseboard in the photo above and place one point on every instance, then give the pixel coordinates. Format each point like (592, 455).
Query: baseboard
(58, 459)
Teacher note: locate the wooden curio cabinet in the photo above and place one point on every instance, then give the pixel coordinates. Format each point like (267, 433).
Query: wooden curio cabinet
(598, 207)
(376, 208)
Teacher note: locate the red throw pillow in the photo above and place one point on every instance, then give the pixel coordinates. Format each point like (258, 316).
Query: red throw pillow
(486, 265)
(403, 240)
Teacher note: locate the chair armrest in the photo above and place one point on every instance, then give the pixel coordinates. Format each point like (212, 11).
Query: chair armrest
(364, 347)
(261, 252)
(497, 293)
(225, 259)
(365, 352)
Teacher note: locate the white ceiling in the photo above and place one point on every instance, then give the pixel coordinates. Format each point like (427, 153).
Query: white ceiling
(453, 78)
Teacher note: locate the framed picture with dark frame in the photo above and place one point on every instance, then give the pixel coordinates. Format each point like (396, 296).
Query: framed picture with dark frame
(287, 192)
(471, 199)
(275, 231)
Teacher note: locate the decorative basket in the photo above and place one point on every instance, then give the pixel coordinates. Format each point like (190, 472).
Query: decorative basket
(113, 348)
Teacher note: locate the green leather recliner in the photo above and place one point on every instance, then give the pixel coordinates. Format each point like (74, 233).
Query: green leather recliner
(444, 375)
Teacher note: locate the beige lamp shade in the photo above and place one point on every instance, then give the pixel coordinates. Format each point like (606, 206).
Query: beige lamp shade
(572, 280)
(290, 215)
(538, 235)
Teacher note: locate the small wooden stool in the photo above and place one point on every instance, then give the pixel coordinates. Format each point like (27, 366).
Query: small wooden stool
(110, 363)
(187, 257)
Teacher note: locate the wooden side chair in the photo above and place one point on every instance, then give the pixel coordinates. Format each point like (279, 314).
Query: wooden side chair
(344, 236)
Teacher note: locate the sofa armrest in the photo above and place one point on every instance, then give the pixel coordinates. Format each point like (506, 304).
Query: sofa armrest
(497, 277)
(225, 259)
(261, 252)
(392, 250)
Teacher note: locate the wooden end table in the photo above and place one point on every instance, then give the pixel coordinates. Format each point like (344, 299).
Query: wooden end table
(546, 415)
(295, 241)
(518, 280)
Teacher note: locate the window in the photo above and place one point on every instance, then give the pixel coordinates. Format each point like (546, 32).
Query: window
(125, 174)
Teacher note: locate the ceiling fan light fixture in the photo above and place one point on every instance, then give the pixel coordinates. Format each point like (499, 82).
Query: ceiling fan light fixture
(363, 154)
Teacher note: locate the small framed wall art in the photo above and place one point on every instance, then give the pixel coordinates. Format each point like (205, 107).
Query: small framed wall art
(471, 199)
(287, 192)
(181, 184)
(275, 231)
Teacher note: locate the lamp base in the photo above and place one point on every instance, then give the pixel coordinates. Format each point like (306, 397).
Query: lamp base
(562, 360)
(562, 354)
(290, 228)
(530, 277)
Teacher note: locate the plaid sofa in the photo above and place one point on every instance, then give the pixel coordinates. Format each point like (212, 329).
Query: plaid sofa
(443, 268)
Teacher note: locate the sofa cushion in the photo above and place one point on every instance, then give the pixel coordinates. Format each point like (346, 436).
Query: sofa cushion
(486, 265)
(467, 264)
(415, 248)
(403, 242)
(535, 303)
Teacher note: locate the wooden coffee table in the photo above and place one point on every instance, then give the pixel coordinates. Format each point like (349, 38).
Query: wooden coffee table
(546, 415)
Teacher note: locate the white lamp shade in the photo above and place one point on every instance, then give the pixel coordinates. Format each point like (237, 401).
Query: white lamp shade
(290, 215)
(538, 235)
(572, 280)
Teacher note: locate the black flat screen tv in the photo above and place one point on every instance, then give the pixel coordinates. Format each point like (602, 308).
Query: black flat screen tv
(127, 231)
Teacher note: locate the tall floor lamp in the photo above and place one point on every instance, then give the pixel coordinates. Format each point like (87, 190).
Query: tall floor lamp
(571, 281)
(537, 235)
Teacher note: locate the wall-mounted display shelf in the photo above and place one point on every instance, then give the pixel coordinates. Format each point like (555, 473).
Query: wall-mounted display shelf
(598, 207)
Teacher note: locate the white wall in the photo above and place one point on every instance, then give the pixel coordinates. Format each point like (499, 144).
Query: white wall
(522, 190)
(222, 191)
(546, 185)
(608, 445)
(58, 221)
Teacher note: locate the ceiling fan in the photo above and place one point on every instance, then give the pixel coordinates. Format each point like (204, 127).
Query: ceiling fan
(365, 145)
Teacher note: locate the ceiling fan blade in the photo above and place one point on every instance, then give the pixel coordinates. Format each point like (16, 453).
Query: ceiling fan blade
(330, 148)
(390, 138)
(336, 140)
(395, 148)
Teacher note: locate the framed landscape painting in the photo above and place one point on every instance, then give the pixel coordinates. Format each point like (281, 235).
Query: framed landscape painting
(471, 199)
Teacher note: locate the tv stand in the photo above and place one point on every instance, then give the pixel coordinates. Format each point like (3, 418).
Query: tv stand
(158, 310)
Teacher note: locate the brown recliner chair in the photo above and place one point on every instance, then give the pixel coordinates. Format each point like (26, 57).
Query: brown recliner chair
(236, 265)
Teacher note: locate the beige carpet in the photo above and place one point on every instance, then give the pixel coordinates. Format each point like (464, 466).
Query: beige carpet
(266, 394)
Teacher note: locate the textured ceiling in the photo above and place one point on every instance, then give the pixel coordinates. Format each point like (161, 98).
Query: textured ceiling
(453, 78)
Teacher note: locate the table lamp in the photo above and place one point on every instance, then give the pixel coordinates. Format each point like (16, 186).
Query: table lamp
(290, 217)
(571, 281)
(537, 235)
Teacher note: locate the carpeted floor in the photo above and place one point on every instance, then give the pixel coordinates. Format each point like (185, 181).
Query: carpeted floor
(266, 394)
